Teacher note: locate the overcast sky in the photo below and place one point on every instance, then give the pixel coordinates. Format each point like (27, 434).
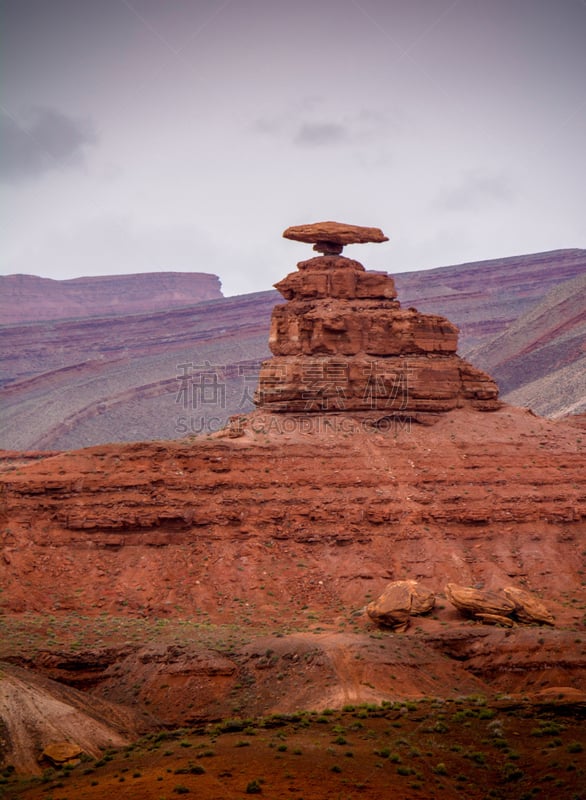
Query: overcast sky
(185, 135)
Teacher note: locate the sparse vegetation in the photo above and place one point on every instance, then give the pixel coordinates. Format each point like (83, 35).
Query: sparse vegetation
(464, 762)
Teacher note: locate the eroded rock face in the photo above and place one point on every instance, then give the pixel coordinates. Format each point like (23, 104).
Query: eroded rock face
(400, 600)
(343, 342)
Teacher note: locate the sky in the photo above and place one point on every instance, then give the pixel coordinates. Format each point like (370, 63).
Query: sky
(186, 135)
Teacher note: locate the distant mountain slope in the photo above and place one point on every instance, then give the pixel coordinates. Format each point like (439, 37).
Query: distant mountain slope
(484, 297)
(73, 383)
(540, 359)
(118, 379)
(28, 298)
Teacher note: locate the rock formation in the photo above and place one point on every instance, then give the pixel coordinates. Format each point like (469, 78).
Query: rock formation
(499, 607)
(400, 600)
(528, 608)
(329, 238)
(342, 342)
(81, 382)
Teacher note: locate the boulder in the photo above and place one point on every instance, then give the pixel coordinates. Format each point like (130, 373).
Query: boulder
(480, 603)
(500, 607)
(400, 600)
(59, 753)
(528, 607)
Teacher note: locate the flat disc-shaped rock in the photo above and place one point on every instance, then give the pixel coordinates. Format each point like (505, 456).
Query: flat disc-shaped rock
(334, 233)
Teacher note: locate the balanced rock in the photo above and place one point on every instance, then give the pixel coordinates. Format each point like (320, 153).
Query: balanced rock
(400, 600)
(342, 342)
(330, 237)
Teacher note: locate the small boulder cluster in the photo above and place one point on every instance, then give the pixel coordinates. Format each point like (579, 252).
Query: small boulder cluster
(403, 599)
(502, 607)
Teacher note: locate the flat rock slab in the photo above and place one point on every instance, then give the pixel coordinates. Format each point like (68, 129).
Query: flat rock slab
(334, 233)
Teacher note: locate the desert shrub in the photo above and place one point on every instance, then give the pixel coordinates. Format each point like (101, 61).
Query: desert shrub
(511, 772)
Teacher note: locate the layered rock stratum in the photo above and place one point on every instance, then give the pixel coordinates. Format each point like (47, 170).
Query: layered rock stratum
(29, 297)
(342, 341)
(247, 559)
(80, 382)
(540, 359)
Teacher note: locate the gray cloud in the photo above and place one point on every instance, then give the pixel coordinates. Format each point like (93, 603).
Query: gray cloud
(320, 134)
(476, 191)
(45, 139)
(301, 128)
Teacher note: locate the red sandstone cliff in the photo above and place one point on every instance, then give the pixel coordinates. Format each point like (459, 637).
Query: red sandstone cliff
(282, 528)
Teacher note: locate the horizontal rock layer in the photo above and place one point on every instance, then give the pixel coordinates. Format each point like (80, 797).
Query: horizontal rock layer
(405, 384)
(364, 327)
(343, 342)
(29, 297)
(62, 374)
(493, 498)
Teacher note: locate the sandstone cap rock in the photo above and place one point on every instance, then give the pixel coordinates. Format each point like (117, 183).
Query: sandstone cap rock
(330, 237)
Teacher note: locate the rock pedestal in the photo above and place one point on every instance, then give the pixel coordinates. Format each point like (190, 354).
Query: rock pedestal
(342, 342)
